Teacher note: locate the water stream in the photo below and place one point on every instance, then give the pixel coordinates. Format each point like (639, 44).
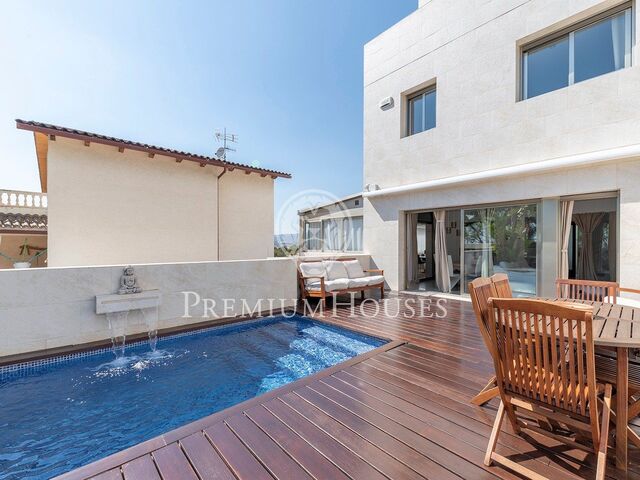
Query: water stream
(151, 319)
(117, 328)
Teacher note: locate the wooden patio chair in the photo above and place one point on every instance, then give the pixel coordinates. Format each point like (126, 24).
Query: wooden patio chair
(586, 290)
(606, 367)
(545, 368)
(481, 290)
(503, 287)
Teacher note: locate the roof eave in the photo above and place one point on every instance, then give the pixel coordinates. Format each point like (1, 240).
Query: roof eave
(150, 150)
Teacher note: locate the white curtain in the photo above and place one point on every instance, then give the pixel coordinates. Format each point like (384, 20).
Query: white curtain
(618, 40)
(613, 245)
(331, 235)
(412, 249)
(587, 223)
(441, 258)
(566, 214)
(487, 248)
(353, 234)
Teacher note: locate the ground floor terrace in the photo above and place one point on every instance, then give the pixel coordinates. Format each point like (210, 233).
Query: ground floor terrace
(400, 411)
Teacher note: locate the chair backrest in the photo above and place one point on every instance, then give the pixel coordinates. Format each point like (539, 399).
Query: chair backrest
(543, 352)
(481, 290)
(587, 290)
(503, 287)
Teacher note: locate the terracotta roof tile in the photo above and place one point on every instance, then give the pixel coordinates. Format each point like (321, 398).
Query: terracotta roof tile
(23, 221)
(99, 138)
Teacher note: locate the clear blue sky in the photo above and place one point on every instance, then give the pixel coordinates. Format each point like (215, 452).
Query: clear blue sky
(285, 75)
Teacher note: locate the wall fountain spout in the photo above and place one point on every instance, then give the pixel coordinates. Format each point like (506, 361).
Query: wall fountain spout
(117, 306)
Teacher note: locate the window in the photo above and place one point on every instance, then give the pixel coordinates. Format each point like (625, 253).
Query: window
(421, 111)
(502, 240)
(352, 228)
(334, 235)
(600, 47)
(312, 236)
(331, 235)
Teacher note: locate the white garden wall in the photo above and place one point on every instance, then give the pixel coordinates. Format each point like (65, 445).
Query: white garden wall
(48, 308)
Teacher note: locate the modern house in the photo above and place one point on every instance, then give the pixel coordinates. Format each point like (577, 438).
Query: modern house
(114, 201)
(331, 228)
(504, 138)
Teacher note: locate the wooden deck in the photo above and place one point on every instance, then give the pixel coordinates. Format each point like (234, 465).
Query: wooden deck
(399, 412)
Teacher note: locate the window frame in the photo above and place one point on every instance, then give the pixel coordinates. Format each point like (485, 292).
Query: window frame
(346, 241)
(569, 32)
(305, 240)
(420, 94)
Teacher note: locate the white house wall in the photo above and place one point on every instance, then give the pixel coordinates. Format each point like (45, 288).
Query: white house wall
(246, 216)
(108, 207)
(470, 49)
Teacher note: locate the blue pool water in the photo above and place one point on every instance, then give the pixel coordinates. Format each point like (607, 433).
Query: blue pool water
(64, 415)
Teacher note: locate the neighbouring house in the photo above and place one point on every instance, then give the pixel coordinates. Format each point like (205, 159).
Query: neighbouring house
(115, 201)
(332, 228)
(23, 228)
(504, 138)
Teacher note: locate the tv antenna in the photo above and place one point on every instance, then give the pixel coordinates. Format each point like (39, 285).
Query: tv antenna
(224, 137)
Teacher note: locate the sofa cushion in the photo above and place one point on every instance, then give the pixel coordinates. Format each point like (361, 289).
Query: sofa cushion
(358, 282)
(329, 285)
(375, 280)
(354, 269)
(312, 269)
(335, 269)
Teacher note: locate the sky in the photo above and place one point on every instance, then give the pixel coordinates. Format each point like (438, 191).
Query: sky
(284, 75)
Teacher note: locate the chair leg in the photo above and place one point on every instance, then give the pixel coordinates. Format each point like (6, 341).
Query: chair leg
(487, 393)
(382, 291)
(604, 434)
(495, 431)
(361, 294)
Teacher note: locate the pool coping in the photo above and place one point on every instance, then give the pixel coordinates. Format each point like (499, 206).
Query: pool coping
(116, 459)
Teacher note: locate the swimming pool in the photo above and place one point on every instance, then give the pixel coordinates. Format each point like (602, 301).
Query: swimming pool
(59, 416)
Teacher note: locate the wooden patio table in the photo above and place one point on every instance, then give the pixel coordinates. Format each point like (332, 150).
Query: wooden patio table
(617, 326)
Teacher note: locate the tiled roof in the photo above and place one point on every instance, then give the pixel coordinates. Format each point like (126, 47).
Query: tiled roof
(23, 221)
(50, 129)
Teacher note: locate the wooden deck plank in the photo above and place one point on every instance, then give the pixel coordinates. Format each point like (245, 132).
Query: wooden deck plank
(172, 463)
(204, 458)
(114, 474)
(266, 450)
(422, 421)
(429, 445)
(142, 468)
(350, 463)
(399, 412)
(307, 456)
(241, 461)
(376, 456)
(383, 440)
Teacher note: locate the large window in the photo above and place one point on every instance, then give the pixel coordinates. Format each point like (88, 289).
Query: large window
(352, 228)
(334, 235)
(422, 111)
(331, 235)
(312, 236)
(502, 240)
(588, 51)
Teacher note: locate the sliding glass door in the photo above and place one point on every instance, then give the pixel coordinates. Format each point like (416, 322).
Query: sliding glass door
(502, 240)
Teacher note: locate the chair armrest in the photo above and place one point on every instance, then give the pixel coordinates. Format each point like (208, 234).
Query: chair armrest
(374, 270)
(309, 278)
